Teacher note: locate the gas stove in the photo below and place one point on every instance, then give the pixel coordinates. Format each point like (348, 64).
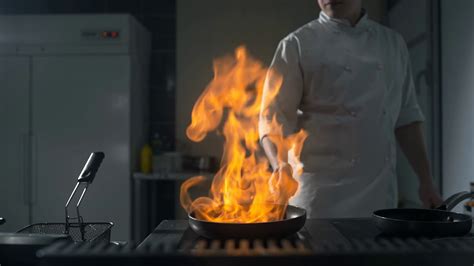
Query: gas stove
(320, 242)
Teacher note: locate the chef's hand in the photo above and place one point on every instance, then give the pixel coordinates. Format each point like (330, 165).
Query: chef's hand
(283, 170)
(282, 184)
(429, 195)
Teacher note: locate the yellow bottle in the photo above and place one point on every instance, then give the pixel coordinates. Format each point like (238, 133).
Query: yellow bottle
(146, 156)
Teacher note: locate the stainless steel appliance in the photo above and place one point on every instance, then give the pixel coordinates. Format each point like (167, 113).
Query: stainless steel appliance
(321, 242)
(69, 86)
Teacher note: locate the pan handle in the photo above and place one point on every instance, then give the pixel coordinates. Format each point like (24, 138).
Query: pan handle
(452, 201)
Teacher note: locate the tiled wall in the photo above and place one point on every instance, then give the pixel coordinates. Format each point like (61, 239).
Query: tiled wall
(159, 16)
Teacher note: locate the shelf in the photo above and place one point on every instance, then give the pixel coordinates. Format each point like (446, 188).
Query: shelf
(178, 176)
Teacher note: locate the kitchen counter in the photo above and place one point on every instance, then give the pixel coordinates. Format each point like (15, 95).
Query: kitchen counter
(351, 241)
(334, 231)
(345, 241)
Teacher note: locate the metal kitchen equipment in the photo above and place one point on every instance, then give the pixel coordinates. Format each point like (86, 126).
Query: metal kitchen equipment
(20, 249)
(345, 241)
(439, 222)
(75, 227)
(99, 83)
(294, 220)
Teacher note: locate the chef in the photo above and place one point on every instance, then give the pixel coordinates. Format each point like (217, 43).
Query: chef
(347, 81)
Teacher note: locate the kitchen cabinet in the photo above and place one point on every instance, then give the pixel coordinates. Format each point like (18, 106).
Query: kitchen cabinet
(67, 91)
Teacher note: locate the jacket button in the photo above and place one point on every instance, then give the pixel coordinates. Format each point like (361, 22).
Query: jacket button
(353, 162)
(347, 68)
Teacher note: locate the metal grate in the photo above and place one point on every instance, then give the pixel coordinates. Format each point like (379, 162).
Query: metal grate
(272, 253)
(245, 247)
(85, 249)
(93, 232)
(396, 246)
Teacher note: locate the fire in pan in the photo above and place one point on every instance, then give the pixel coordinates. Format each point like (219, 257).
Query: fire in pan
(294, 220)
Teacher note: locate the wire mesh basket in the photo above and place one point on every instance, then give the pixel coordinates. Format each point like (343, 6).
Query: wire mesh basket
(90, 232)
(79, 231)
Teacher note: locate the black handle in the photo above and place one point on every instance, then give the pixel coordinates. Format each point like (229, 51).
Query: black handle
(91, 167)
(2, 220)
(452, 201)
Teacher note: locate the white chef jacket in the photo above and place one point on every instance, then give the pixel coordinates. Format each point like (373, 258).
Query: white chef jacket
(349, 88)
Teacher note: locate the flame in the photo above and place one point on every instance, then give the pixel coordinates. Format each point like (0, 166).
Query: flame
(244, 190)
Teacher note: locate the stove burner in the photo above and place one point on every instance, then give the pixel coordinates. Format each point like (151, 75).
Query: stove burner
(245, 247)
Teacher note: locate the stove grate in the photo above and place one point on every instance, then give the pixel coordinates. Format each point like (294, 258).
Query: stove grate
(395, 246)
(244, 247)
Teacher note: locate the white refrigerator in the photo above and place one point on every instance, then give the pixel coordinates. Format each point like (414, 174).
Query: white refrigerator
(70, 85)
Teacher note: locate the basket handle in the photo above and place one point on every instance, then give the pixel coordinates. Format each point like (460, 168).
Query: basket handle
(92, 166)
(85, 177)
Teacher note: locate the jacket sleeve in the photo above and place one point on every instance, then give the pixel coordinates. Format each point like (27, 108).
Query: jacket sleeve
(409, 110)
(286, 102)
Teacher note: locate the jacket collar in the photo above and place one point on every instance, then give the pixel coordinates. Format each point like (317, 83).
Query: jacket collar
(344, 24)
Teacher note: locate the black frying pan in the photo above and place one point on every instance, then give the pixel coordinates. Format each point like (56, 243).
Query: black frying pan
(293, 222)
(20, 249)
(439, 222)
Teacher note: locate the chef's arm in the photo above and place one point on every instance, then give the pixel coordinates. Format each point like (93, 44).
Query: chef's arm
(271, 152)
(282, 93)
(410, 138)
(411, 141)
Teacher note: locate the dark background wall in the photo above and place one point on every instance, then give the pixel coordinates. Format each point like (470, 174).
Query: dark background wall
(159, 17)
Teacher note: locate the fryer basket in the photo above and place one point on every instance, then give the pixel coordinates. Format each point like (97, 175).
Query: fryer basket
(93, 232)
(79, 231)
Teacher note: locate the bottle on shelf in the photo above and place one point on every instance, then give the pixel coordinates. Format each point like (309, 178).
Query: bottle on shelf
(146, 158)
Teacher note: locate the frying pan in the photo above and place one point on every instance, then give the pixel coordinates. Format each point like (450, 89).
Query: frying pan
(294, 220)
(439, 222)
(20, 249)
